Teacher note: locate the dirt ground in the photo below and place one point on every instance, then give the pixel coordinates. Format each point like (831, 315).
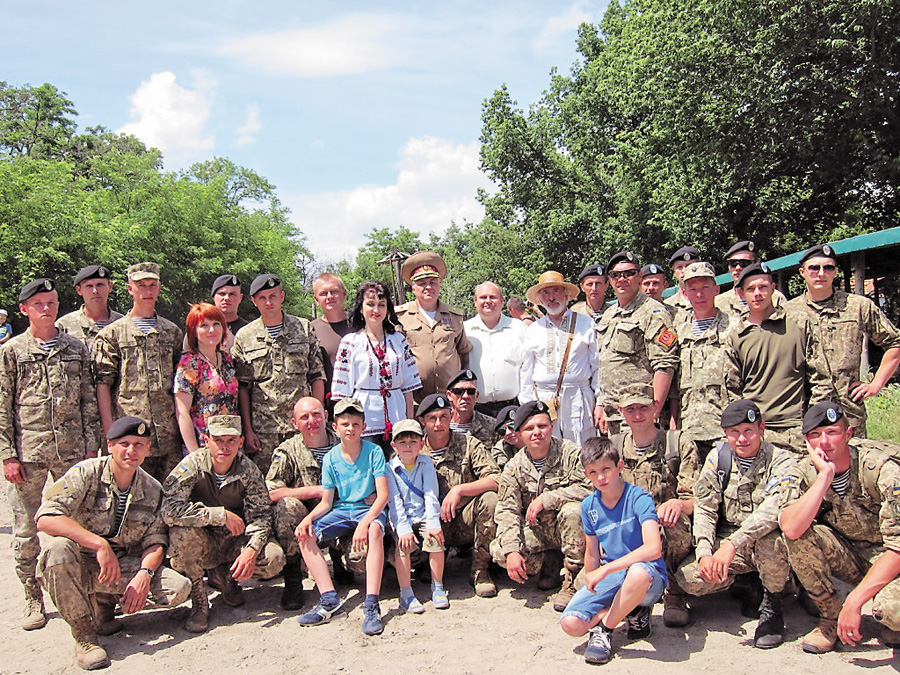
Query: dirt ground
(516, 632)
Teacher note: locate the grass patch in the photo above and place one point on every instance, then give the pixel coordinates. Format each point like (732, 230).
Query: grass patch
(883, 412)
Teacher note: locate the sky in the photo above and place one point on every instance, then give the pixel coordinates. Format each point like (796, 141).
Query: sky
(363, 114)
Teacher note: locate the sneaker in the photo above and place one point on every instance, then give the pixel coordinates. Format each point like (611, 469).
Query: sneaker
(439, 598)
(319, 614)
(599, 646)
(638, 623)
(411, 605)
(372, 624)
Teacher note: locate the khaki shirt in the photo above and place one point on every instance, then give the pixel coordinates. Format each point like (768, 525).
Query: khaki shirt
(294, 465)
(582, 308)
(192, 498)
(731, 304)
(561, 481)
(839, 325)
(751, 500)
(277, 372)
(438, 349)
(78, 325)
(665, 475)
(139, 370)
(465, 460)
(87, 494)
(48, 405)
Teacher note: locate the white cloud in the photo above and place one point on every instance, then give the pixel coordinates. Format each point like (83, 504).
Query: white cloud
(173, 118)
(245, 132)
(345, 45)
(562, 25)
(436, 184)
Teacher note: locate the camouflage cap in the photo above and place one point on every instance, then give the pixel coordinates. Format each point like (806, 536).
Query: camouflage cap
(740, 412)
(41, 285)
(527, 411)
(144, 270)
(699, 269)
(406, 427)
(128, 426)
(348, 404)
(822, 414)
(224, 425)
(91, 272)
(636, 393)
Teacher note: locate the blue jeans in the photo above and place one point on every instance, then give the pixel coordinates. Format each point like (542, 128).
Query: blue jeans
(585, 604)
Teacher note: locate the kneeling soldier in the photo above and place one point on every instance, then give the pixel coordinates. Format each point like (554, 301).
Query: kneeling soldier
(841, 518)
(218, 509)
(107, 542)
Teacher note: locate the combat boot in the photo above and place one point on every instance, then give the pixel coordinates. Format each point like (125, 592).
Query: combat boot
(481, 576)
(675, 610)
(823, 637)
(548, 579)
(562, 598)
(770, 629)
(88, 653)
(198, 621)
(104, 609)
(292, 595)
(33, 617)
(231, 590)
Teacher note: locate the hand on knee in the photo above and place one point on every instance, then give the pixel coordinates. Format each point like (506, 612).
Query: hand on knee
(574, 626)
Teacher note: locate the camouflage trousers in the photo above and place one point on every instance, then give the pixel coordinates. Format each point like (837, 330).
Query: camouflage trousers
(474, 524)
(267, 445)
(194, 550)
(24, 500)
(789, 439)
(287, 514)
(767, 555)
(70, 575)
(554, 531)
(821, 553)
(676, 545)
(162, 465)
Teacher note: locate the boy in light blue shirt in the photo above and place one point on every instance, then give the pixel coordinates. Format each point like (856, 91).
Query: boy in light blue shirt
(415, 514)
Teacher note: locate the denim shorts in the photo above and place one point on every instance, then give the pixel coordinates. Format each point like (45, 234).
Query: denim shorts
(585, 604)
(343, 520)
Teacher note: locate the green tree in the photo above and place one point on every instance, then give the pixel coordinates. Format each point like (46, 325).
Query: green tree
(34, 121)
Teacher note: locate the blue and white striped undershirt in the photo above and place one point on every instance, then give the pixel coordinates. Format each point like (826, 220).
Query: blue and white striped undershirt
(700, 326)
(841, 483)
(275, 331)
(146, 324)
(121, 505)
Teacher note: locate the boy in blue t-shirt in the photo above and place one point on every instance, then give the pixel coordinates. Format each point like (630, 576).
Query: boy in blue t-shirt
(354, 469)
(623, 561)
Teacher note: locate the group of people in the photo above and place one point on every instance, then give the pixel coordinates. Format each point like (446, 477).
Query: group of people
(620, 452)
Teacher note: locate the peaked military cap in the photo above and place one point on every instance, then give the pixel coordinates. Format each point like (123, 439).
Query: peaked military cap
(143, 270)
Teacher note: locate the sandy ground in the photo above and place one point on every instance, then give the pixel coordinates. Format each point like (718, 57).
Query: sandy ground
(516, 632)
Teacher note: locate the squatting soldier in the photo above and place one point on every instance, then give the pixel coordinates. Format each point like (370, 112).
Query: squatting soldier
(742, 478)
(840, 321)
(278, 361)
(665, 464)
(94, 284)
(539, 507)
(48, 422)
(467, 482)
(462, 391)
(841, 518)
(742, 255)
(679, 262)
(107, 542)
(508, 441)
(220, 518)
(134, 366)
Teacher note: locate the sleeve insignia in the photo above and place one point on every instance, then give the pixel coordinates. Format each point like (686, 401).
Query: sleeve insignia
(665, 338)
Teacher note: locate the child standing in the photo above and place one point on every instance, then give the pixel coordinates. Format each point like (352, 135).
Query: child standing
(354, 469)
(415, 514)
(623, 561)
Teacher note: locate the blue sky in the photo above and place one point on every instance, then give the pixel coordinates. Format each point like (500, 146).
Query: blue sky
(363, 114)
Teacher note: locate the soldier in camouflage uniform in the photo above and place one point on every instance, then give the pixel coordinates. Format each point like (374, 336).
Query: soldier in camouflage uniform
(679, 261)
(94, 284)
(508, 441)
(742, 478)
(741, 255)
(134, 368)
(665, 464)
(278, 361)
(840, 513)
(107, 542)
(467, 482)
(635, 339)
(539, 507)
(840, 321)
(48, 422)
(593, 282)
(463, 417)
(220, 518)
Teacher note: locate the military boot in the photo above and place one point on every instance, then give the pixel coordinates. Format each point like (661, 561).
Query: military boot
(292, 595)
(231, 590)
(561, 599)
(88, 653)
(104, 608)
(823, 637)
(481, 576)
(675, 609)
(770, 629)
(33, 617)
(198, 621)
(548, 579)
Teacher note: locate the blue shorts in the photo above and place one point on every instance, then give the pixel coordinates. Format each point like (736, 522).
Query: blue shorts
(585, 605)
(343, 520)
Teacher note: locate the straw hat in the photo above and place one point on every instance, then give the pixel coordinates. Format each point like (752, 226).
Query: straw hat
(547, 279)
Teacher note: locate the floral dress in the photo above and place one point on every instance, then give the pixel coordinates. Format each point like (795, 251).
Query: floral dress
(214, 390)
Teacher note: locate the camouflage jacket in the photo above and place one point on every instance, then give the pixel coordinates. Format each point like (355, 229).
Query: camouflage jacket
(665, 472)
(294, 465)
(482, 427)
(502, 452)
(78, 325)
(465, 460)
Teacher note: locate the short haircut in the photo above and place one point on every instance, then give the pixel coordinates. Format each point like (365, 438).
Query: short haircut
(515, 303)
(488, 283)
(328, 277)
(199, 313)
(597, 449)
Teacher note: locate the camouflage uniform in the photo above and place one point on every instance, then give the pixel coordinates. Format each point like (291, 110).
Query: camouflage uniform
(677, 303)
(838, 326)
(561, 486)
(277, 372)
(851, 532)
(49, 420)
(139, 370)
(194, 508)
(78, 325)
(482, 428)
(635, 342)
(502, 452)
(87, 493)
(729, 303)
(751, 505)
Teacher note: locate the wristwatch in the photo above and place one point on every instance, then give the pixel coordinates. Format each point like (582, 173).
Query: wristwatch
(150, 573)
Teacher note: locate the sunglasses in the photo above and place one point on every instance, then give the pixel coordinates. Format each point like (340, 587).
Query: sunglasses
(623, 274)
(738, 262)
(459, 391)
(815, 269)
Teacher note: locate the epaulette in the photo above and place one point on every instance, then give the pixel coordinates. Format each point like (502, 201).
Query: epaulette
(404, 307)
(455, 310)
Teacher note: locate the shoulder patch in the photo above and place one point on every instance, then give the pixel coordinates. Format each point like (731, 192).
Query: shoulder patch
(665, 338)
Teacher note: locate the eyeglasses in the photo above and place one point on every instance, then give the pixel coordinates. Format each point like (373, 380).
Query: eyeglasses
(507, 427)
(738, 262)
(623, 274)
(815, 269)
(460, 391)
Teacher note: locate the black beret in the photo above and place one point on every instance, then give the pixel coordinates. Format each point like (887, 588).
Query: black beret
(224, 280)
(752, 271)
(91, 272)
(652, 268)
(622, 256)
(527, 411)
(466, 375)
(128, 426)
(822, 251)
(740, 412)
(505, 416)
(822, 414)
(432, 402)
(591, 271)
(745, 245)
(34, 287)
(263, 282)
(685, 253)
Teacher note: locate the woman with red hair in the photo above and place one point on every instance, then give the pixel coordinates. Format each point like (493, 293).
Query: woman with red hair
(205, 381)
